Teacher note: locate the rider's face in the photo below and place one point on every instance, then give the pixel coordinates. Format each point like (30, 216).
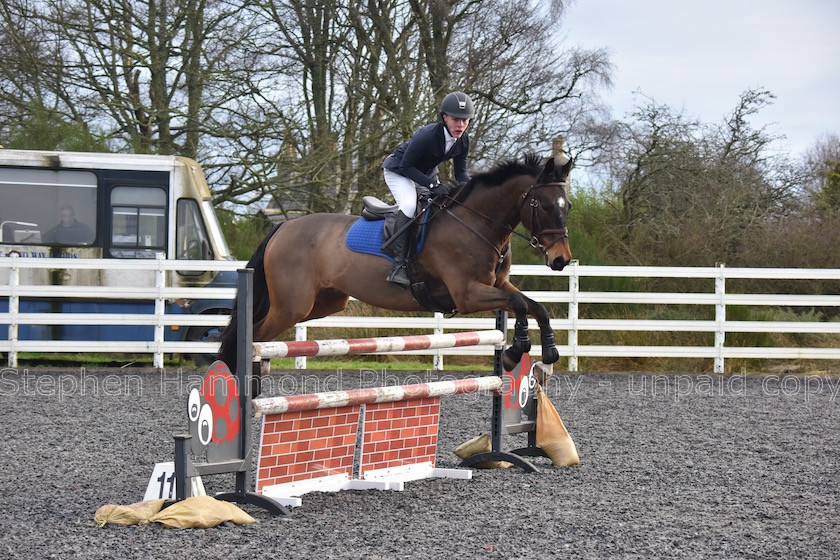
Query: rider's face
(455, 125)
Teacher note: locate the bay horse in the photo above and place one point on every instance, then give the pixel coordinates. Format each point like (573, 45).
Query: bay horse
(303, 269)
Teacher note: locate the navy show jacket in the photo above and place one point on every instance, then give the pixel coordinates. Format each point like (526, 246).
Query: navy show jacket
(418, 158)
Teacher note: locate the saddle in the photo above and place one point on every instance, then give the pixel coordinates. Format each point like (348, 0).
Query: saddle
(375, 210)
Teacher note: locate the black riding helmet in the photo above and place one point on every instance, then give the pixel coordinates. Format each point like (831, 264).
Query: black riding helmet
(457, 104)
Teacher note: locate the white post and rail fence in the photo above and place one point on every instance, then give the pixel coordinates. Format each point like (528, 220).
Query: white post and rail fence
(14, 288)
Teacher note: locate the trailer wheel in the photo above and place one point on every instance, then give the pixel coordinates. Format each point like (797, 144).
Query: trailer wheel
(203, 334)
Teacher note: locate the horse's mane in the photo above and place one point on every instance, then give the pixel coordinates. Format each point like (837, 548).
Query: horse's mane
(530, 164)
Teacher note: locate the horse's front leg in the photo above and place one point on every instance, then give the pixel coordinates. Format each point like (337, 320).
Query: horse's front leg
(521, 339)
(481, 297)
(550, 354)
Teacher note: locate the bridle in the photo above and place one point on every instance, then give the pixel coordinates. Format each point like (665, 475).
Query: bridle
(529, 197)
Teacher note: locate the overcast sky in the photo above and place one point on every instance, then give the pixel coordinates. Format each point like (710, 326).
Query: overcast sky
(699, 56)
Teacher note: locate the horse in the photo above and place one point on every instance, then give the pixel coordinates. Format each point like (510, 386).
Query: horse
(303, 269)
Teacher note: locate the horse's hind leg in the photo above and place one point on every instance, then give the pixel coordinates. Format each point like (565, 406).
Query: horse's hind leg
(328, 302)
(304, 307)
(281, 316)
(284, 313)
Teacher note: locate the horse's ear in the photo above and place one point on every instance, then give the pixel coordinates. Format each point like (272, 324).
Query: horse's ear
(548, 170)
(567, 167)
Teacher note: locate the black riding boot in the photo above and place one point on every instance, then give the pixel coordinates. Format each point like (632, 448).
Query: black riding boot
(399, 247)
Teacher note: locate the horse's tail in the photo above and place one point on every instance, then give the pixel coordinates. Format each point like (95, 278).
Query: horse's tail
(228, 337)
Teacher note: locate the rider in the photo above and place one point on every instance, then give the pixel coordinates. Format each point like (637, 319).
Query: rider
(414, 164)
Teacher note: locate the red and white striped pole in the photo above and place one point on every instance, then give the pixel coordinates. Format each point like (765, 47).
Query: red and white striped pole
(354, 397)
(343, 347)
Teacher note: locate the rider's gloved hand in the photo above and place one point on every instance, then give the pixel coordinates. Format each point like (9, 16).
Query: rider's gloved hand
(440, 189)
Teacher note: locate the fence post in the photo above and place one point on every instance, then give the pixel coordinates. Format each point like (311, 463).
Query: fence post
(720, 318)
(14, 301)
(300, 334)
(160, 310)
(573, 315)
(438, 357)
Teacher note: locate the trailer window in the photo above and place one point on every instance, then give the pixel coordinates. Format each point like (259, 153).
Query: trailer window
(138, 222)
(191, 242)
(42, 206)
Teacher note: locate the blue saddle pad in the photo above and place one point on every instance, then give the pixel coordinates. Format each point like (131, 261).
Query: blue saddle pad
(366, 236)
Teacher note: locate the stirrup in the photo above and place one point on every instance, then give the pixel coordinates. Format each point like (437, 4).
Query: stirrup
(399, 275)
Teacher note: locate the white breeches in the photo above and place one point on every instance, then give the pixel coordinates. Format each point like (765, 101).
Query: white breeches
(404, 191)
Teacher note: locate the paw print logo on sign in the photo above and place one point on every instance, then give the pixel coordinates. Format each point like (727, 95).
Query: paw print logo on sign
(214, 413)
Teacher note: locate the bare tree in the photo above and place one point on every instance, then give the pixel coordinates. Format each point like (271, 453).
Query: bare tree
(529, 86)
(298, 101)
(692, 193)
(36, 108)
(137, 70)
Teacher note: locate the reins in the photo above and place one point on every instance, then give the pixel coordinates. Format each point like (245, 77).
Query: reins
(529, 196)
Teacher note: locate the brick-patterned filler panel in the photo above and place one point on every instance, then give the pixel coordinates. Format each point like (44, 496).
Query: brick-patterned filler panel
(353, 346)
(314, 435)
(354, 397)
(400, 433)
(305, 444)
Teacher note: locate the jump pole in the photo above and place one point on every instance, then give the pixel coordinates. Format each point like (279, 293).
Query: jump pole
(265, 351)
(381, 345)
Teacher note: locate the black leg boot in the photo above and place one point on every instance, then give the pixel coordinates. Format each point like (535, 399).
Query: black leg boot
(399, 246)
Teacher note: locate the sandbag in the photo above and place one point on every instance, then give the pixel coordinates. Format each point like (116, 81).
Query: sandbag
(476, 445)
(552, 436)
(133, 514)
(200, 512)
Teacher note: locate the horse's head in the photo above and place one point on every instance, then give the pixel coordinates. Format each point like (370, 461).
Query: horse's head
(545, 206)
(528, 191)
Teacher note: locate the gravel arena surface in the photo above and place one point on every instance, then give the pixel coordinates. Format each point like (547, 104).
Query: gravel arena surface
(693, 466)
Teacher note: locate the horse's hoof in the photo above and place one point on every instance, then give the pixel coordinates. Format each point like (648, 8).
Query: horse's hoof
(550, 355)
(510, 358)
